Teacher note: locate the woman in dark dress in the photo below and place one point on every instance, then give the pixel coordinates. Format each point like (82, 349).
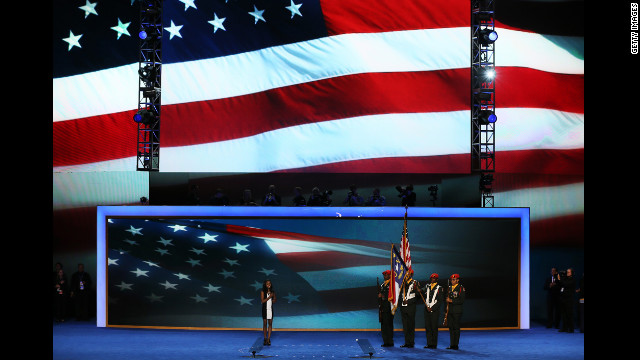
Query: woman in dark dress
(268, 298)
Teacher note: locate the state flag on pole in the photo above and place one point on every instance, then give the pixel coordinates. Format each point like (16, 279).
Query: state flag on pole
(399, 271)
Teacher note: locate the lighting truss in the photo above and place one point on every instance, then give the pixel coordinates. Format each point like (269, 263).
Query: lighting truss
(483, 93)
(149, 71)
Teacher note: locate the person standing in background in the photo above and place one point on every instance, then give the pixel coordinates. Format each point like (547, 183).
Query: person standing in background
(80, 292)
(567, 292)
(553, 295)
(61, 288)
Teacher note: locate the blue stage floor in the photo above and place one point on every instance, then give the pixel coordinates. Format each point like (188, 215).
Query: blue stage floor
(83, 340)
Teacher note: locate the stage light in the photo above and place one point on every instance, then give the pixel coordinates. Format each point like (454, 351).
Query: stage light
(145, 117)
(149, 33)
(485, 95)
(489, 73)
(487, 117)
(487, 36)
(485, 183)
(151, 9)
(150, 91)
(147, 73)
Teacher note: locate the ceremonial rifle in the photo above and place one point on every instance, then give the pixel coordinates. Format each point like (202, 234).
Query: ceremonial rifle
(420, 292)
(444, 323)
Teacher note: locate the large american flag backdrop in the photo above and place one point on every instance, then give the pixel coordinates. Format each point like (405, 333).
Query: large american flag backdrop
(263, 86)
(345, 86)
(207, 271)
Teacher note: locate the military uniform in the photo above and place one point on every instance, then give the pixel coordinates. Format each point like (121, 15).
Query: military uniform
(433, 297)
(386, 325)
(457, 295)
(408, 312)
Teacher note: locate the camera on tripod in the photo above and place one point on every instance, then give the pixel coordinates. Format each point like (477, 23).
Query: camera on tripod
(404, 190)
(407, 195)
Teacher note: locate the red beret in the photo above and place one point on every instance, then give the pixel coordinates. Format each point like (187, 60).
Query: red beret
(386, 272)
(455, 276)
(434, 275)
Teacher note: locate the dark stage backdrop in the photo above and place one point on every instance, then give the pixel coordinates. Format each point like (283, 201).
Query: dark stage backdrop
(208, 272)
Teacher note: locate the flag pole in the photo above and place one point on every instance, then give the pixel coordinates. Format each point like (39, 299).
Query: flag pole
(404, 229)
(391, 267)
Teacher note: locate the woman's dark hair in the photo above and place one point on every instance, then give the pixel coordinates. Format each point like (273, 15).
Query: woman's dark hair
(264, 286)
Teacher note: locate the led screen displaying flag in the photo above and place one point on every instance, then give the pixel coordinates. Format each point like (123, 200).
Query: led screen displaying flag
(263, 102)
(356, 86)
(95, 85)
(198, 272)
(380, 85)
(262, 86)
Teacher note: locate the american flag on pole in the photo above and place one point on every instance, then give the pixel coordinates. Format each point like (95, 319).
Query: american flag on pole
(399, 271)
(405, 252)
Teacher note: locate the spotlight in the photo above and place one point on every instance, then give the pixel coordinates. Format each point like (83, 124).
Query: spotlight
(487, 117)
(487, 36)
(149, 33)
(145, 117)
(489, 73)
(150, 91)
(485, 95)
(151, 9)
(483, 78)
(147, 73)
(485, 183)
